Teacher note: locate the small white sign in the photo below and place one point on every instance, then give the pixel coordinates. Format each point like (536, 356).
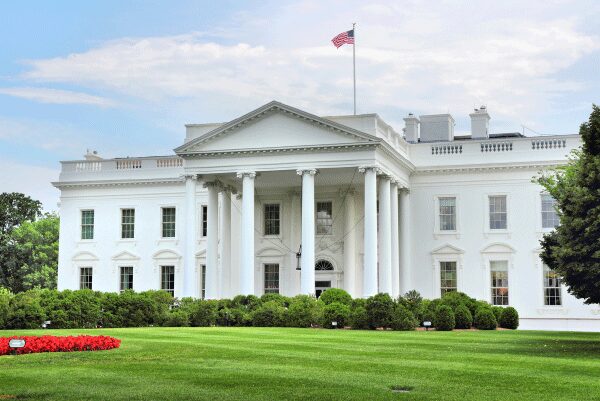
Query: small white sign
(334, 323)
(16, 343)
(427, 324)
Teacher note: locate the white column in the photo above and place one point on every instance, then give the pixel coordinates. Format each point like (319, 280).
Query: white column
(307, 261)
(225, 245)
(385, 240)
(405, 284)
(370, 232)
(350, 245)
(247, 234)
(190, 288)
(395, 242)
(295, 240)
(212, 242)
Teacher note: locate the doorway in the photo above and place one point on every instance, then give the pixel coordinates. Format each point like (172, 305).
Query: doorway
(321, 286)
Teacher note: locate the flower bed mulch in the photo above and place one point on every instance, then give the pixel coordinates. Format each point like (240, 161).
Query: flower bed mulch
(35, 344)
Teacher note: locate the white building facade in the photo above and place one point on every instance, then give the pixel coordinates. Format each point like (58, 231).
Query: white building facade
(280, 200)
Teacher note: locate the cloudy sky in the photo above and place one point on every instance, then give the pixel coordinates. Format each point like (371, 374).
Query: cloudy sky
(123, 77)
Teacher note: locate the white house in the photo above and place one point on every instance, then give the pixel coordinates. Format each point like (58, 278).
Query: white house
(373, 211)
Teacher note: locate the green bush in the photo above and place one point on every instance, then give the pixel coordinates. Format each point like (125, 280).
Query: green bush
(497, 312)
(24, 311)
(380, 308)
(335, 312)
(250, 302)
(403, 319)
(269, 314)
(509, 319)
(302, 311)
(444, 318)
(177, 318)
(5, 296)
(429, 309)
(280, 299)
(359, 318)
(413, 301)
(463, 317)
(485, 319)
(455, 298)
(203, 313)
(332, 295)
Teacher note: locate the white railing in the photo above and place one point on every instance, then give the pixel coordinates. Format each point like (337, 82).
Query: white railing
(504, 146)
(446, 149)
(128, 164)
(548, 144)
(88, 166)
(172, 162)
(118, 165)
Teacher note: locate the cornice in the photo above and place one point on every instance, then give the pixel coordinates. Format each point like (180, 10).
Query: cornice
(115, 183)
(343, 147)
(489, 167)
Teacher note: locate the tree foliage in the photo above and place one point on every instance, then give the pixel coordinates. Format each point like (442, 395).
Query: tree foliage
(573, 248)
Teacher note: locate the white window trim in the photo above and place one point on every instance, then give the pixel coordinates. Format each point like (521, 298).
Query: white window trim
(543, 308)
(491, 256)
(262, 217)
(120, 239)
(540, 220)
(168, 257)
(80, 219)
(262, 264)
(486, 229)
(446, 253)
(333, 205)
(160, 222)
(436, 228)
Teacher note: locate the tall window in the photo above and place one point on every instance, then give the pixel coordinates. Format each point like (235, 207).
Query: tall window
(271, 278)
(127, 223)
(498, 212)
(203, 281)
(552, 291)
(447, 277)
(324, 218)
(85, 278)
(87, 224)
(167, 279)
(204, 220)
(126, 278)
(447, 214)
(168, 222)
(499, 278)
(272, 219)
(549, 216)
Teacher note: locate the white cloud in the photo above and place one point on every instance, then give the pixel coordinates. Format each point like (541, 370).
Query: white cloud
(57, 96)
(422, 57)
(34, 181)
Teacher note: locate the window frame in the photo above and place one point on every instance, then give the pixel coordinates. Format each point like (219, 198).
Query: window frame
(83, 286)
(266, 288)
(162, 222)
(82, 224)
(545, 288)
(264, 218)
(121, 274)
(445, 289)
(123, 223)
(542, 212)
(162, 281)
(486, 201)
(203, 221)
(493, 293)
(437, 231)
(332, 231)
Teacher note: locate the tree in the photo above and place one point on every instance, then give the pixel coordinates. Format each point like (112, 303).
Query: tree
(573, 248)
(16, 208)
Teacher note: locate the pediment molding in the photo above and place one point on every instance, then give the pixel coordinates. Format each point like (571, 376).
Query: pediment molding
(125, 255)
(498, 247)
(84, 256)
(269, 252)
(166, 254)
(447, 249)
(194, 146)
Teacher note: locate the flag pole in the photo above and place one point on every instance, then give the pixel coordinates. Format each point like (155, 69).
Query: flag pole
(354, 63)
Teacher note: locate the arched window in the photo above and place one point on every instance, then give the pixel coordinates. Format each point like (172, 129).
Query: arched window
(323, 265)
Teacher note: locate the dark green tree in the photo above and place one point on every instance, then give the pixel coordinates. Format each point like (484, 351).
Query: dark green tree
(573, 248)
(16, 208)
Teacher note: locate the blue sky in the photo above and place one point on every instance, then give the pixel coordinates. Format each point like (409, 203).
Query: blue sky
(123, 77)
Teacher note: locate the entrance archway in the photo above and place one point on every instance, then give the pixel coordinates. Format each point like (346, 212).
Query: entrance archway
(323, 281)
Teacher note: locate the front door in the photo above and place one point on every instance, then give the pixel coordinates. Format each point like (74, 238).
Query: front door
(321, 286)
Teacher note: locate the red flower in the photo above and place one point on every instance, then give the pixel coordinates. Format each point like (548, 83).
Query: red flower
(35, 344)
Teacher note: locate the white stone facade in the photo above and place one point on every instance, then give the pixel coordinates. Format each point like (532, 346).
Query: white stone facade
(227, 213)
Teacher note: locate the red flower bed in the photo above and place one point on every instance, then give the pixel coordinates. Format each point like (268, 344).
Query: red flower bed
(35, 344)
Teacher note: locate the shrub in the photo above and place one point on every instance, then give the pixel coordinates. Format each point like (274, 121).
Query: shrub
(25, 311)
(413, 301)
(444, 318)
(250, 302)
(359, 318)
(332, 295)
(280, 299)
(509, 318)
(429, 308)
(485, 319)
(302, 311)
(5, 296)
(269, 314)
(335, 312)
(497, 312)
(202, 313)
(380, 308)
(177, 318)
(463, 317)
(455, 298)
(403, 319)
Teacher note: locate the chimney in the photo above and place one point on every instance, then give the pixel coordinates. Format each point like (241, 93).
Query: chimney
(437, 128)
(92, 155)
(480, 123)
(411, 130)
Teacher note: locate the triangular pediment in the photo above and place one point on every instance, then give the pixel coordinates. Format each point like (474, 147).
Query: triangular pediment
(276, 126)
(125, 255)
(446, 250)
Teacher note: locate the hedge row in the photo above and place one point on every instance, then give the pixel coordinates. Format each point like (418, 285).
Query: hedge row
(335, 308)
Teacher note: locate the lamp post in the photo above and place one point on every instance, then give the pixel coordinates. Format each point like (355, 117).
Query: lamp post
(298, 256)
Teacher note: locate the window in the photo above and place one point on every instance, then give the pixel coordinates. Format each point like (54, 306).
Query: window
(203, 281)
(168, 222)
(447, 277)
(272, 219)
(126, 282)
(323, 265)
(498, 212)
(127, 223)
(204, 220)
(552, 291)
(447, 213)
(324, 218)
(271, 278)
(167, 279)
(549, 216)
(85, 278)
(499, 277)
(87, 224)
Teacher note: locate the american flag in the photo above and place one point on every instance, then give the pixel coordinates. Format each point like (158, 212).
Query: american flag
(343, 38)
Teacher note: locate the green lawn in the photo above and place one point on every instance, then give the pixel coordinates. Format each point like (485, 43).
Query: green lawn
(310, 364)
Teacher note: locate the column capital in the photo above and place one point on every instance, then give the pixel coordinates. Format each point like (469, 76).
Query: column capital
(363, 169)
(189, 176)
(310, 171)
(242, 174)
(211, 184)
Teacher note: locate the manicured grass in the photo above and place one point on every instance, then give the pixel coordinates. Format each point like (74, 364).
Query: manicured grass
(310, 364)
